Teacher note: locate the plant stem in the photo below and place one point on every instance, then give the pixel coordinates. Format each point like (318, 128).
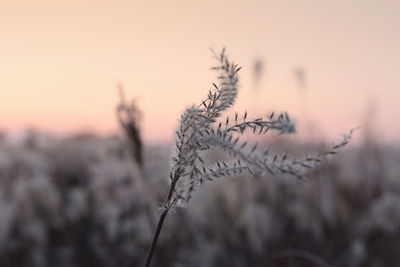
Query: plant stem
(155, 238)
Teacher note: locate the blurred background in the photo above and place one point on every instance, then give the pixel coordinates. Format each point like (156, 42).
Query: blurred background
(90, 97)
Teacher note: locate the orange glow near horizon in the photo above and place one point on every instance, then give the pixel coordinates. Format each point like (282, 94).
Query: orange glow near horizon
(60, 61)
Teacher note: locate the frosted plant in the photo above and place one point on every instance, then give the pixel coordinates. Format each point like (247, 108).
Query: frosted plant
(203, 128)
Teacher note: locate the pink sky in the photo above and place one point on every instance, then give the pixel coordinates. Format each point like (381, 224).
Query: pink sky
(60, 61)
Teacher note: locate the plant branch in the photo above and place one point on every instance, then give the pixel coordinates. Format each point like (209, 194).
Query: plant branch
(155, 238)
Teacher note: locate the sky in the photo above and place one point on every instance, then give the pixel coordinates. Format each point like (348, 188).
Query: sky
(60, 62)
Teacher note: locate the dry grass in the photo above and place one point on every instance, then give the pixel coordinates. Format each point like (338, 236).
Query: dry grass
(202, 129)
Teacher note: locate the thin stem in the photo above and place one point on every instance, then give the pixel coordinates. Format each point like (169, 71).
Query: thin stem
(155, 238)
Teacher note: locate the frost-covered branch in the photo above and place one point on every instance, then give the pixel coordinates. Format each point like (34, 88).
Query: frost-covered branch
(201, 130)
